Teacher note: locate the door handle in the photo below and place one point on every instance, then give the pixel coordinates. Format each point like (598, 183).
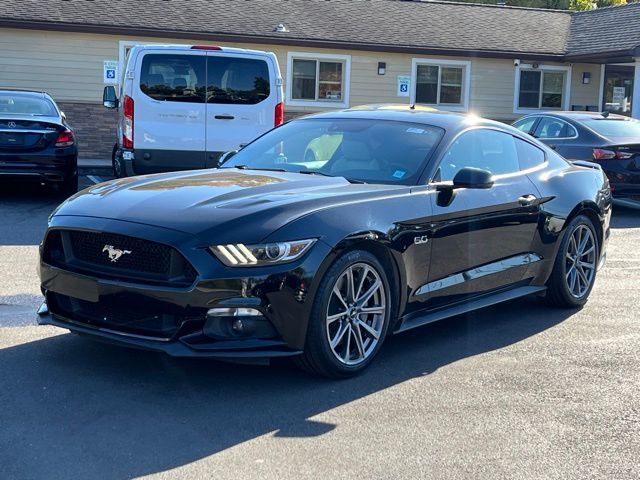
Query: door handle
(527, 200)
(224, 117)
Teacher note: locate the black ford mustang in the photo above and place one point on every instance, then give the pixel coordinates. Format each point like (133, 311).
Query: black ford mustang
(36, 142)
(325, 235)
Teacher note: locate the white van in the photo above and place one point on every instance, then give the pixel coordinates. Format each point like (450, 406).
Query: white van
(182, 106)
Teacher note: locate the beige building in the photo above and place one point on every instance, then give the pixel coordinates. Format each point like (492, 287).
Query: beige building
(498, 62)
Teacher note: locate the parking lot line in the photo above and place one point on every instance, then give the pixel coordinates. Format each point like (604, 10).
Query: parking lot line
(95, 178)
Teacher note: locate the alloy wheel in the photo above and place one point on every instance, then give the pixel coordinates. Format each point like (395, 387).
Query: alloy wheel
(580, 261)
(356, 314)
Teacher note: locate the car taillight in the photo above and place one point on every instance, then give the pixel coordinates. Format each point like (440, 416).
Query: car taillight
(65, 139)
(127, 133)
(279, 114)
(602, 154)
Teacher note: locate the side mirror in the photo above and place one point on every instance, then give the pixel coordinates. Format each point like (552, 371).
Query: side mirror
(226, 156)
(109, 98)
(470, 177)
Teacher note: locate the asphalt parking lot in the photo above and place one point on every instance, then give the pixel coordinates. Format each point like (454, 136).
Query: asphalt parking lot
(515, 391)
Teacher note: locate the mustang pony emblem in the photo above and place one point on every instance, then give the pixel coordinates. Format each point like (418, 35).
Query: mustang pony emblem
(114, 253)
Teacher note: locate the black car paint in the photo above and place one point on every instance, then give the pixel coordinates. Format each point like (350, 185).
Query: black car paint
(193, 210)
(39, 160)
(624, 175)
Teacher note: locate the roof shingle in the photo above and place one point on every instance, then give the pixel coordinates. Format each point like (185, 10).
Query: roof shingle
(391, 25)
(428, 25)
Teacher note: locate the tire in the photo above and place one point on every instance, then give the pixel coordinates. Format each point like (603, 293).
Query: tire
(575, 267)
(357, 335)
(69, 186)
(118, 166)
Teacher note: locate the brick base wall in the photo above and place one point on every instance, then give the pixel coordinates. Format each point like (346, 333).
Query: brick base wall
(95, 128)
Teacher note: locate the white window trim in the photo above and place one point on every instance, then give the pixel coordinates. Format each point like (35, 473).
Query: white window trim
(122, 45)
(346, 79)
(466, 82)
(566, 94)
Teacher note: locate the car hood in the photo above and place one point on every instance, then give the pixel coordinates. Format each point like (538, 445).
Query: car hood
(225, 205)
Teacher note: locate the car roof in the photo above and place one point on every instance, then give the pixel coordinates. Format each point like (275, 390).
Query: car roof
(198, 47)
(413, 114)
(579, 116)
(25, 91)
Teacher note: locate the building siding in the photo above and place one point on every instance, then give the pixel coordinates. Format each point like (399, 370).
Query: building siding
(69, 67)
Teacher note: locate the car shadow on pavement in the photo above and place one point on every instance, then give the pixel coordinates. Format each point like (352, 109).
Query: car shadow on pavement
(623, 217)
(24, 209)
(75, 408)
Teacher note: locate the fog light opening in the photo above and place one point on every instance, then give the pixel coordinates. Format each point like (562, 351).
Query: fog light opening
(233, 312)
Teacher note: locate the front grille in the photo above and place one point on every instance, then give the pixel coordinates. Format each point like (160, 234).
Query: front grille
(150, 318)
(120, 257)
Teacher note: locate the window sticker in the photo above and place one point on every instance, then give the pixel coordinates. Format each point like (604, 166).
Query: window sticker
(415, 130)
(399, 174)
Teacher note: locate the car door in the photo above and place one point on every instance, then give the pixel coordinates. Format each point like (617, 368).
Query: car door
(241, 100)
(481, 238)
(169, 118)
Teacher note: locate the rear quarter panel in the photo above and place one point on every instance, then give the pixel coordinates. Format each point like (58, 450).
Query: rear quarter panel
(567, 189)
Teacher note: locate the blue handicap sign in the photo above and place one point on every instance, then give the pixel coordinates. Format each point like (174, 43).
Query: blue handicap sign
(111, 74)
(404, 87)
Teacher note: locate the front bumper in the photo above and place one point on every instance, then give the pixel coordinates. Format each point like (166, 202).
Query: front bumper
(187, 346)
(282, 294)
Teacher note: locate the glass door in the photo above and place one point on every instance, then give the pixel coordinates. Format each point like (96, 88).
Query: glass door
(618, 89)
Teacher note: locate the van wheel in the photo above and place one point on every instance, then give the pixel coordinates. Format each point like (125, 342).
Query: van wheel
(118, 166)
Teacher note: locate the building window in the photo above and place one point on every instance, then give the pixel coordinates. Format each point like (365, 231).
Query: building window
(318, 80)
(541, 88)
(442, 83)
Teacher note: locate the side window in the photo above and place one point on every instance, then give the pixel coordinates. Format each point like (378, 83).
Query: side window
(486, 149)
(554, 128)
(529, 155)
(173, 78)
(526, 124)
(233, 80)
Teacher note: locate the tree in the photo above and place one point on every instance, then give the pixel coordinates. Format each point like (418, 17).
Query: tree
(557, 4)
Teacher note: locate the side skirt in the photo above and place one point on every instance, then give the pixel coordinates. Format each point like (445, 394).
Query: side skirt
(468, 306)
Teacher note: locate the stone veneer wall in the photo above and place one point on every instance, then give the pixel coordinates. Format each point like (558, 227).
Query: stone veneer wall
(95, 128)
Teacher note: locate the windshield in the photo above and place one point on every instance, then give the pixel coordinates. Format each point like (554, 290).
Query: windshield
(18, 103)
(615, 128)
(371, 151)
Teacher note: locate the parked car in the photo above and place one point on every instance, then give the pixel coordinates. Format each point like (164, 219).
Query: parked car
(36, 142)
(182, 106)
(414, 217)
(613, 141)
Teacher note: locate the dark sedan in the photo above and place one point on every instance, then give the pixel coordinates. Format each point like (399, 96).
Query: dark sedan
(398, 219)
(36, 143)
(613, 141)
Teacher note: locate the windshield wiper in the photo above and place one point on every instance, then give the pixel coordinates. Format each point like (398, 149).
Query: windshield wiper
(247, 167)
(315, 172)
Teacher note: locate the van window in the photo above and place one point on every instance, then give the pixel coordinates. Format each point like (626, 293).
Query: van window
(174, 78)
(233, 80)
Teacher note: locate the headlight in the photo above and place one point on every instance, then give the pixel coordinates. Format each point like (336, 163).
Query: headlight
(241, 255)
